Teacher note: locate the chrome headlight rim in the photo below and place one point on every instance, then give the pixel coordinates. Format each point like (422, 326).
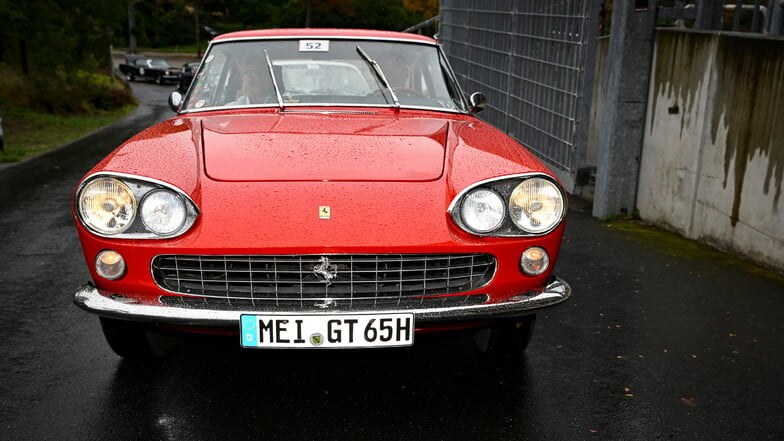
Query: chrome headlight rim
(140, 186)
(525, 215)
(504, 185)
(180, 217)
(501, 207)
(129, 207)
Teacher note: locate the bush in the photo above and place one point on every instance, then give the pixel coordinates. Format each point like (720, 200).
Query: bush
(12, 87)
(62, 93)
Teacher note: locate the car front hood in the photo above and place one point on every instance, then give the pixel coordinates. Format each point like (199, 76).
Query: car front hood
(323, 147)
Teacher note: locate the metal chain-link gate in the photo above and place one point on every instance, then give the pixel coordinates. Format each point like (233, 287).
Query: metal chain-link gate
(534, 62)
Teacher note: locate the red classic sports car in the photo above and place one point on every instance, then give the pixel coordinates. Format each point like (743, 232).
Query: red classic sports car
(321, 189)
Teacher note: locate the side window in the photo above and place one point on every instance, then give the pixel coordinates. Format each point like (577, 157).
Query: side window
(205, 89)
(422, 82)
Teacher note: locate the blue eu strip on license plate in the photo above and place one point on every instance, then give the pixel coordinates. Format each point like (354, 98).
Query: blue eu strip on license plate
(327, 331)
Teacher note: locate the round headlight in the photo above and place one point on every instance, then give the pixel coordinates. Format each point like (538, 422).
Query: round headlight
(107, 206)
(536, 205)
(163, 212)
(482, 210)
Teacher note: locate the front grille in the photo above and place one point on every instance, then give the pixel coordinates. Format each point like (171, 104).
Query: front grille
(412, 303)
(334, 281)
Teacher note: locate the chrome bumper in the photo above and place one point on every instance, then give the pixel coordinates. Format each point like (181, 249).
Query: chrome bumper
(90, 299)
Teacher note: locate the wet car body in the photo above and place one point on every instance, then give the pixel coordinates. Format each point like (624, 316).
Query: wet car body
(330, 215)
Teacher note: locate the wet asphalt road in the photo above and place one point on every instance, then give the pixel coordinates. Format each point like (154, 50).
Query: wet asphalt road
(650, 346)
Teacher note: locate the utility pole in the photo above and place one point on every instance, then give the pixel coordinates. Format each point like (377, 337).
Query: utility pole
(196, 29)
(131, 27)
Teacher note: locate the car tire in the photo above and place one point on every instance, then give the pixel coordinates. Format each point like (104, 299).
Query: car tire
(129, 77)
(158, 80)
(133, 341)
(506, 341)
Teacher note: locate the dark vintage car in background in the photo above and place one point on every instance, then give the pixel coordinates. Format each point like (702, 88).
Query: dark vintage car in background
(142, 67)
(187, 72)
(321, 189)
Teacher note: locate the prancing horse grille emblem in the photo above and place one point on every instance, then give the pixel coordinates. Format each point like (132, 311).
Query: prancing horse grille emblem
(326, 271)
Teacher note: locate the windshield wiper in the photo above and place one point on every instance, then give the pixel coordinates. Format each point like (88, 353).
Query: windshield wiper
(380, 75)
(274, 81)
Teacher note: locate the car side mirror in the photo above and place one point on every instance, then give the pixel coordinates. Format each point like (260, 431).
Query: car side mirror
(478, 102)
(175, 101)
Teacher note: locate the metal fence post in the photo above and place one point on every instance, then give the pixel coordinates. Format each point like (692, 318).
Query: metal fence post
(709, 14)
(777, 17)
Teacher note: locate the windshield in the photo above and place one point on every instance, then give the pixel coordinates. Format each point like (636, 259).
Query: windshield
(323, 73)
(161, 64)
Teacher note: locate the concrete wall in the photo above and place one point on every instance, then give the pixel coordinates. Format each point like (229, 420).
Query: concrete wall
(713, 153)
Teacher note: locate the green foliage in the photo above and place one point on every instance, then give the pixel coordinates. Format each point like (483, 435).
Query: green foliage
(52, 54)
(78, 92)
(624, 216)
(63, 92)
(364, 14)
(52, 50)
(46, 35)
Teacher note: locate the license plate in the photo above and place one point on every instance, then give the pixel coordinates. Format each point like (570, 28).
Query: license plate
(327, 331)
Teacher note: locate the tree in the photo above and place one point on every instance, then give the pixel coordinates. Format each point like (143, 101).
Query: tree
(56, 45)
(428, 8)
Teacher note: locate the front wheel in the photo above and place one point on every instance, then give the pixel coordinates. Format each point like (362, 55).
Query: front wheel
(506, 340)
(133, 341)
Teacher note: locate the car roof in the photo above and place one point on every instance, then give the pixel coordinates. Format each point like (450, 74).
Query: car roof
(323, 33)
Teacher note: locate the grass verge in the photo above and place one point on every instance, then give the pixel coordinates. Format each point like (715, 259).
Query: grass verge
(29, 133)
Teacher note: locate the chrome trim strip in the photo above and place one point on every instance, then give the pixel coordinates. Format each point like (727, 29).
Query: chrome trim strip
(89, 298)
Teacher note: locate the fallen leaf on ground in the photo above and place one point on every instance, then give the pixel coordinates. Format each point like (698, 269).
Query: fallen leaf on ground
(689, 401)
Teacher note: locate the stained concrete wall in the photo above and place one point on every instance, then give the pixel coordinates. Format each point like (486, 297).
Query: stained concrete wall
(713, 152)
